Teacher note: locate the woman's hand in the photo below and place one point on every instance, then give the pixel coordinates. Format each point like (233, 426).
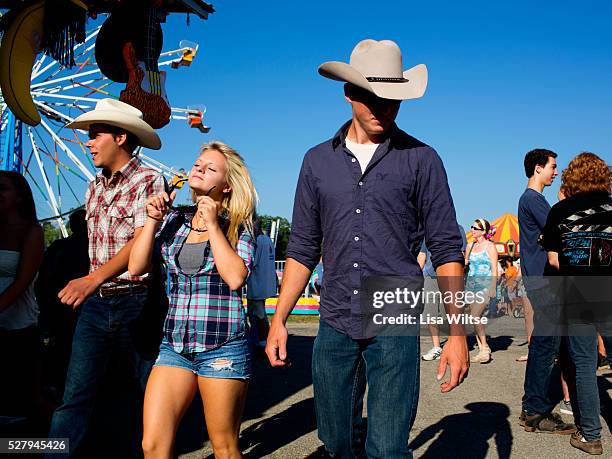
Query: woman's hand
(208, 211)
(158, 206)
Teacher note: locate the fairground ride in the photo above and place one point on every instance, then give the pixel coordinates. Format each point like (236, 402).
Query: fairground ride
(53, 158)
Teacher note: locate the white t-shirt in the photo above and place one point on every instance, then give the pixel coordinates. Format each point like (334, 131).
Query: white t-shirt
(362, 151)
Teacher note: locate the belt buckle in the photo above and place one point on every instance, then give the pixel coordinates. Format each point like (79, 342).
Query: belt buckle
(110, 293)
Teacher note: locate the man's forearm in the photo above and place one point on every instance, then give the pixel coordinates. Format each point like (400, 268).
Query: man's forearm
(295, 278)
(450, 279)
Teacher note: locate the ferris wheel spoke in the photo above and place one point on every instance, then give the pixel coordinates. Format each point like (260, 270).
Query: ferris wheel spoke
(76, 47)
(67, 150)
(82, 108)
(74, 85)
(52, 200)
(60, 96)
(38, 65)
(160, 167)
(69, 77)
(58, 163)
(46, 107)
(76, 198)
(75, 132)
(94, 90)
(35, 182)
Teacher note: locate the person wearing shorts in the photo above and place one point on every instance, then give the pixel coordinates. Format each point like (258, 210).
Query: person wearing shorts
(204, 346)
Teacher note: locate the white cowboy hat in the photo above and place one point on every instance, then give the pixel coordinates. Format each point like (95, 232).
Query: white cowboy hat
(120, 114)
(377, 67)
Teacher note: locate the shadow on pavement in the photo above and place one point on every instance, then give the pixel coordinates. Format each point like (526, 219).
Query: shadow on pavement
(466, 435)
(268, 387)
(269, 435)
(604, 383)
(496, 343)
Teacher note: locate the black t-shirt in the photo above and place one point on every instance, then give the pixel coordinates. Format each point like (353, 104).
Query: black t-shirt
(579, 229)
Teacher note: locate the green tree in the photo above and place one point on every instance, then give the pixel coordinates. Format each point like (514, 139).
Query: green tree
(284, 231)
(52, 232)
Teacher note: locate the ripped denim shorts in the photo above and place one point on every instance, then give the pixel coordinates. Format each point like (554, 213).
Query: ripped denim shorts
(231, 360)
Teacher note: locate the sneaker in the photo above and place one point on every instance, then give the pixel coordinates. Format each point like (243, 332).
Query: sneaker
(433, 354)
(547, 423)
(483, 356)
(565, 407)
(603, 363)
(592, 447)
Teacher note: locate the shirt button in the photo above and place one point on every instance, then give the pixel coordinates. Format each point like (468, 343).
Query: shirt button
(353, 160)
(355, 265)
(358, 211)
(355, 292)
(360, 183)
(356, 238)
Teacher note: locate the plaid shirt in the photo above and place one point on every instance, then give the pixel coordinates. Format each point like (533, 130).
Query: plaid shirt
(203, 311)
(115, 208)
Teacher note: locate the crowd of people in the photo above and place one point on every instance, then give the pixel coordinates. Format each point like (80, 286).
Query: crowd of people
(162, 285)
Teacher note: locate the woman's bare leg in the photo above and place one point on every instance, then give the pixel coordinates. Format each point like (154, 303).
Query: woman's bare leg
(169, 392)
(476, 310)
(223, 406)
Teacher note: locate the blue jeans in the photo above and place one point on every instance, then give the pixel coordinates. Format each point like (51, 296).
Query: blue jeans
(583, 352)
(542, 376)
(340, 368)
(104, 325)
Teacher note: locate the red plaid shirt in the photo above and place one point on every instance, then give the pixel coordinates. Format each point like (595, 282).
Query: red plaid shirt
(115, 208)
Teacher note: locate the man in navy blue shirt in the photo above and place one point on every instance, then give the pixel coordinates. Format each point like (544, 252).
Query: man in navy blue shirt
(540, 376)
(367, 198)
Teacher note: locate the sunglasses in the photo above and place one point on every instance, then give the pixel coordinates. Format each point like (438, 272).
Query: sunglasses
(476, 228)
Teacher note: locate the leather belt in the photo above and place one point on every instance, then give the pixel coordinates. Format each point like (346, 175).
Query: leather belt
(109, 291)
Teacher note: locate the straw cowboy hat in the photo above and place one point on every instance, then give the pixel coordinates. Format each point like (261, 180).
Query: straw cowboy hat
(377, 67)
(120, 114)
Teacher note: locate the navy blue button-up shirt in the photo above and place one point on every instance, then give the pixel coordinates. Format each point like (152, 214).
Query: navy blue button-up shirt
(370, 223)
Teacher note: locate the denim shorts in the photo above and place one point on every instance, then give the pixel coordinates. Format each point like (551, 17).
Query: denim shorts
(231, 360)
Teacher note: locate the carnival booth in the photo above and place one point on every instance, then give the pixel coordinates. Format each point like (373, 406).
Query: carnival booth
(506, 237)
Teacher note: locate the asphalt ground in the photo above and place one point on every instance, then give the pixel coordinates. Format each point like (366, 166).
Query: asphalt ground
(479, 419)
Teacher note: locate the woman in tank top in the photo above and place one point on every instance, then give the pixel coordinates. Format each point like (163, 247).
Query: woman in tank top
(481, 258)
(21, 252)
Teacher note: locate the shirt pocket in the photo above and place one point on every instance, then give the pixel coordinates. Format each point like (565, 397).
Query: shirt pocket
(391, 193)
(121, 221)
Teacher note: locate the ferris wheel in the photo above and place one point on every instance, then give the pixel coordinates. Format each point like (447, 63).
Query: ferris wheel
(53, 158)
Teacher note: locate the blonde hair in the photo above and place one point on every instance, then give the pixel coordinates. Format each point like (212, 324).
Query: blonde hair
(241, 201)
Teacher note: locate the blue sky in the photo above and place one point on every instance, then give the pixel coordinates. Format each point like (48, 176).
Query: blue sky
(503, 78)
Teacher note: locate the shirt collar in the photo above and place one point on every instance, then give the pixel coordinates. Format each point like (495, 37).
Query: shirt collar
(126, 171)
(340, 136)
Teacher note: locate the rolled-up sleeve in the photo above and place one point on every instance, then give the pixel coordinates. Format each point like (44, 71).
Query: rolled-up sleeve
(306, 234)
(437, 211)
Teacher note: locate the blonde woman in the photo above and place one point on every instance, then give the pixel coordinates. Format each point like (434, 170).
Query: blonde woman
(208, 255)
(481, 258)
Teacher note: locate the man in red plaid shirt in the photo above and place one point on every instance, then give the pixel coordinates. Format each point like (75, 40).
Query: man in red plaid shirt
(111, 300)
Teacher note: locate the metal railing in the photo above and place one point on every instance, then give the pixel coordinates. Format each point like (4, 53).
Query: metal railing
(279, 266)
